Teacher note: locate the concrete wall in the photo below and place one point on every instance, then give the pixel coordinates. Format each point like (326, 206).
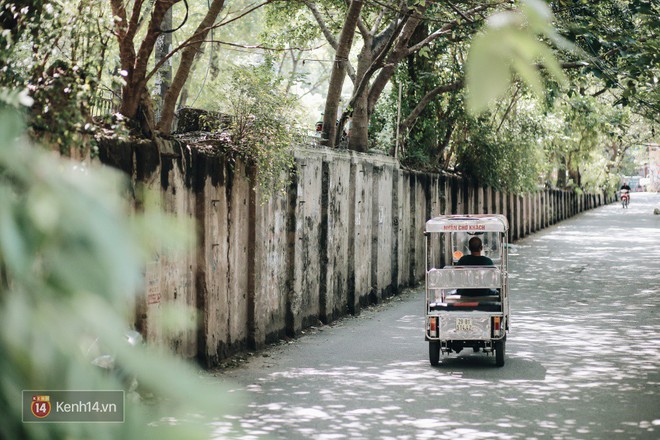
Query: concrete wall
(347, 233)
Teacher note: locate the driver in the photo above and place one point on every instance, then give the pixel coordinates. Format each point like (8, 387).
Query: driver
(625, 186)
(475, 258)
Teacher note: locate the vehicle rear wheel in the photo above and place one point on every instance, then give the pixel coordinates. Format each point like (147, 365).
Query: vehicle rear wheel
(500, 348)
(434, 352)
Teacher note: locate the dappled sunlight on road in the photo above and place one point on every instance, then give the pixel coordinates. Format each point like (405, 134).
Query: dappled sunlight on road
(583, 355)
(590, 296)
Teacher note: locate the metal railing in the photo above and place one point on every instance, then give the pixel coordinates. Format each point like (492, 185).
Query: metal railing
(106, 103)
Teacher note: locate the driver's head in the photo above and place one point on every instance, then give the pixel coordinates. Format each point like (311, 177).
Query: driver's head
(475, 244)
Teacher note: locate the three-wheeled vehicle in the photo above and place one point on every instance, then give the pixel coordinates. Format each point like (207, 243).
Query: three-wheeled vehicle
(466, 306)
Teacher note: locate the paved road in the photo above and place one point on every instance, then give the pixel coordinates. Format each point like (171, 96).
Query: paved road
(583, 354)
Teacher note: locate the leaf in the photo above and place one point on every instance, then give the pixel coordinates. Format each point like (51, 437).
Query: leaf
(488, 74)
(510, 44)
(12, 244)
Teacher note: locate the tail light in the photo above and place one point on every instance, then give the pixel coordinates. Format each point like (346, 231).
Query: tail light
(497, 326)
(433, 327)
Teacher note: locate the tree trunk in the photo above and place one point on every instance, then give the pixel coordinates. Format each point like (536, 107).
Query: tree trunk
(561, 173)
(399, 52)
(134, 64)
(360, 121)
(445, 141)
(359, 135)
(327, 33)
(574, 175)
(164, 75)
(185, 65)
(339, 72)
(374, 51)
(402, 49)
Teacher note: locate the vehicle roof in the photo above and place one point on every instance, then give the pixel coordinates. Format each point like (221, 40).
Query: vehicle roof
(468, 222)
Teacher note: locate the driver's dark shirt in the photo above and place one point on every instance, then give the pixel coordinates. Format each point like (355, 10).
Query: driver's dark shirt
(475, 260)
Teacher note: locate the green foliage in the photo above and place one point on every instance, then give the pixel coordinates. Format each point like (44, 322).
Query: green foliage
(57, 51)
(504, 154)
(510, 44)
(15, 18)
(382, 126)
(287, 24)
(426, 140)
(264, 126)
(593, 140)
(71, 259)
(571, 138)
(621, 43)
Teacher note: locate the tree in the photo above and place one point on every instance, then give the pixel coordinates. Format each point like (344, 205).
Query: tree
(339, 71)
(134, 63)
(263, 127)
(620, 42)
(385, 33)
(192, 47)
(135, 103)
(56, 52)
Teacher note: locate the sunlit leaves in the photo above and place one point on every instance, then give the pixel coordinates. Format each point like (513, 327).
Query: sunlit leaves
(621, 42)
(57, 51)
(502, 151)
(511, 45)
(15, 98)
(264, 124)
(71, 260)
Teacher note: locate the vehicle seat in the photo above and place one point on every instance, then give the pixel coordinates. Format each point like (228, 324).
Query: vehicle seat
(477, 292)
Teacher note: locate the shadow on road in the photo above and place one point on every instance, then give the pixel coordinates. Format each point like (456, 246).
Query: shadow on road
(481, 367)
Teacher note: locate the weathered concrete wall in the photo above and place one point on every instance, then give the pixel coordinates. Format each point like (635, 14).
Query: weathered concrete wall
(271, 271)
(348, 233)
(304, 297)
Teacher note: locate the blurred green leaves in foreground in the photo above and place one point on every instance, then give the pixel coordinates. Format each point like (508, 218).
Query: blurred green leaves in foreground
(513, 43)
(72, 256)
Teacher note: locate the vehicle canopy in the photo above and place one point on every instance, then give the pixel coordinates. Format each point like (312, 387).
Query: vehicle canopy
(491, 228)
(468, 222)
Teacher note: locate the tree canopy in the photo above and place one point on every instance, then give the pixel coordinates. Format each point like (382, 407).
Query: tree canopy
(480, 88)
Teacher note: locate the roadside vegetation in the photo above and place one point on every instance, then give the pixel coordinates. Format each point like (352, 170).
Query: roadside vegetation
(514, 94)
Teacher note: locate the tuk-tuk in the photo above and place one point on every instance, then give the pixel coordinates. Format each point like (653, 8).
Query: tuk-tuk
(466, 306)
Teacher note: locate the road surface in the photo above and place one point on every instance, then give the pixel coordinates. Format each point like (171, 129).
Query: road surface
(583, 353)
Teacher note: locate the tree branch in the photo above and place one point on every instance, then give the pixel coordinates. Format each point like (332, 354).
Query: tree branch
(135, 18)
(321, 22)
(600, 92)
(514, 98)
(377, 64)
(377, 21)
(363, 28)
(426, 100)
(185, 66)
(448, 27)
(328, 35)
(459, 12)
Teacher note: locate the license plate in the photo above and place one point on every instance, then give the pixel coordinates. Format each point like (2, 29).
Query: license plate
(463, 324)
